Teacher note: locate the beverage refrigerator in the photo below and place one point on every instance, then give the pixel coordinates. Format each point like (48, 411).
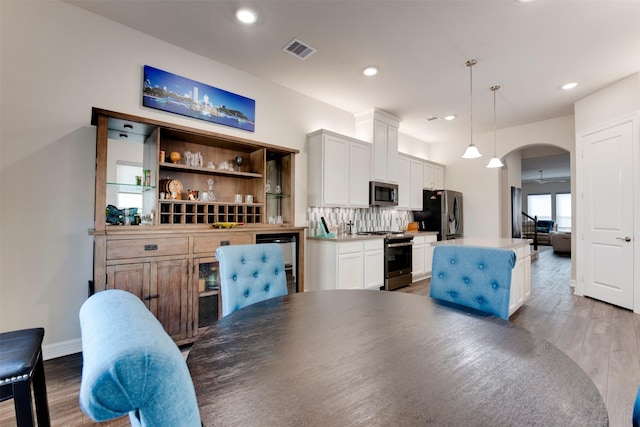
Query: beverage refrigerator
(441, 212)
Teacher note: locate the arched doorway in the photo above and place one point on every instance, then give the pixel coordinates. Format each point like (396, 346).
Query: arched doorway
(522, 170)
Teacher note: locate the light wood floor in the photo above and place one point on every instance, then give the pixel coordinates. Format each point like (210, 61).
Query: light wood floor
(604, 340)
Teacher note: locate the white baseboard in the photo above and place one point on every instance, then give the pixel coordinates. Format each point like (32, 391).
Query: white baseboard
(572, 283)
(53, 351)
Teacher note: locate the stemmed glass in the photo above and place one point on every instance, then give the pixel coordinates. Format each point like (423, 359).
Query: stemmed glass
(239, 160)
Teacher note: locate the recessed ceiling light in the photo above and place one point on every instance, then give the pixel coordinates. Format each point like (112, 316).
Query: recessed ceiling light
(450, 117)
(246, 16)
(370, 71)
(568, 86)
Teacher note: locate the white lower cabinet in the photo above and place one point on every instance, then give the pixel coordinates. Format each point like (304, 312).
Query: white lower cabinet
(333, 264)
(422, 256)
(520, 279)
(418, 257)
(373, 264)
(350, 266)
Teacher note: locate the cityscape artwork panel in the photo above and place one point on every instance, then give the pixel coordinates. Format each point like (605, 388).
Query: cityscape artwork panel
(179, 95)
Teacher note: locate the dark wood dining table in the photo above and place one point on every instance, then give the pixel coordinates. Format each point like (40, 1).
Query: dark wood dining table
(374, 358)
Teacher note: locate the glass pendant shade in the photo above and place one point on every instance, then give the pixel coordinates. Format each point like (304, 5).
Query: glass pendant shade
(495, 162)
(472, 151)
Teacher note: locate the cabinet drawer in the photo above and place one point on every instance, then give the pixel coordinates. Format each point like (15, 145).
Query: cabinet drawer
(209, 244)
(350, 247)
(372, 245)
(119, 249)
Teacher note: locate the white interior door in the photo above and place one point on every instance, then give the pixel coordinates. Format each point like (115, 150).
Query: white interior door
(608, 210)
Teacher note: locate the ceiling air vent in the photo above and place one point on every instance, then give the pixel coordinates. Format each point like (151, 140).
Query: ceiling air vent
(299, 49)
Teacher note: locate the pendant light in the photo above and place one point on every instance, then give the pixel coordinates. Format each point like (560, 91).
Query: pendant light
(495, 161)
(472, 151)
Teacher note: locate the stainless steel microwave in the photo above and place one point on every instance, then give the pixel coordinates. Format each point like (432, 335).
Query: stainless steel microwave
(383, 194)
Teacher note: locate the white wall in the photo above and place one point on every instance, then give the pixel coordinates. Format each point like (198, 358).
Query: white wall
(616, 100)
(58, 61)
(482, 187)
(414, 147)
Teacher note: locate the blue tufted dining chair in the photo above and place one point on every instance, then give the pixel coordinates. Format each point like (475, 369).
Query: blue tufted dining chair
(476, 277)
(130, 365)
(635, 418)
(250, 274)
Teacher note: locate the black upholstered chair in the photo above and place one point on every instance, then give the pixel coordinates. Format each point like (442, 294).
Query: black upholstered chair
(21, 367)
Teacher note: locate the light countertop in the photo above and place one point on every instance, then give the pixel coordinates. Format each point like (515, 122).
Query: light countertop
(354, 237)
(490, 242)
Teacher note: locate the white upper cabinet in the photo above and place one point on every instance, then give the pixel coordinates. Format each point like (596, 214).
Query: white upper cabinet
(428, 176)
(359, 155)
(338, 170)
(433, 176)
(415, 175)
(438, 177)
(381, 129)
(404, 182)
(417, 184)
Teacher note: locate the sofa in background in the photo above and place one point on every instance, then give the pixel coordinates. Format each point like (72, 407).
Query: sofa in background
(561, 242)
(545, 228)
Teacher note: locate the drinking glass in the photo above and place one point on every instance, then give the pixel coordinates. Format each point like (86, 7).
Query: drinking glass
(239, 161)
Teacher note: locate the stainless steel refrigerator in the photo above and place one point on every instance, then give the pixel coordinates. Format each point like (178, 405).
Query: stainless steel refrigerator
(441, 212)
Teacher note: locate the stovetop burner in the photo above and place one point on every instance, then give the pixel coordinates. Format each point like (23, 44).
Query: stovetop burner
(388, 234)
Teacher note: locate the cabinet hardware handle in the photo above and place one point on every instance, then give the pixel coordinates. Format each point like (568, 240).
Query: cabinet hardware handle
(626, 239)
(150, 247)
(149, 297)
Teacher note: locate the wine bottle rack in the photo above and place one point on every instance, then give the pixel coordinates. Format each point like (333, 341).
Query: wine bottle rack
(190, 212)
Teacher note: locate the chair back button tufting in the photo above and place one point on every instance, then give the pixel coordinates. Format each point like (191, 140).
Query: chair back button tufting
(476, 277)
(250, 274)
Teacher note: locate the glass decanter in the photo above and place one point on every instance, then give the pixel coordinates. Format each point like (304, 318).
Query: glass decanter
(209, 196)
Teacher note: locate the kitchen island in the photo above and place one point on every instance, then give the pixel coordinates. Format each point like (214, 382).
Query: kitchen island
(521, 275)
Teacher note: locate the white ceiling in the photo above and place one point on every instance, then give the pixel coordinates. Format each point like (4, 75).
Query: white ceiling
(528, 48)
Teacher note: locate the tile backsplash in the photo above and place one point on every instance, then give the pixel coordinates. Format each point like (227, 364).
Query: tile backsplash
(372, 218)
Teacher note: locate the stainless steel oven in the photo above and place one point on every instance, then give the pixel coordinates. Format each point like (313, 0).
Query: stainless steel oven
(398, 259)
